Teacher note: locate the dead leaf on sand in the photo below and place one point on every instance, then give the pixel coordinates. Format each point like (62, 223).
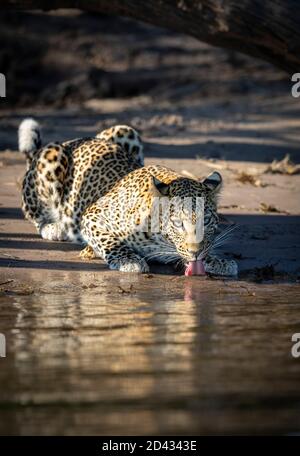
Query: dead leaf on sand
(247, 178)
(284, 166)
(269, 208)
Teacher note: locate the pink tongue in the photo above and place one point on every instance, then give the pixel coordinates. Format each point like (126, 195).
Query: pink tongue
(195, 268)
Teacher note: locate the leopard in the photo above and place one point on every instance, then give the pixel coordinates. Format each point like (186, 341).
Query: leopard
(62, 179)
(97, 192)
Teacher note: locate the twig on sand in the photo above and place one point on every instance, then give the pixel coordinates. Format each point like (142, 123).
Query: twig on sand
(264, 207)
(190, 175)
(6, 282)
(10, 256)
(214, 165)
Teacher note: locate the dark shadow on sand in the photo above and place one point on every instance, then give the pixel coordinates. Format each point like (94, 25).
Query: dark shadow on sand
(13, 213)
(259, 241)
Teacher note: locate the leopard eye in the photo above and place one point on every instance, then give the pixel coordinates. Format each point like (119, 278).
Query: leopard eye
(177, 223)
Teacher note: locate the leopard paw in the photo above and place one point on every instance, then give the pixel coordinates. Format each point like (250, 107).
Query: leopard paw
(134, 266)
(231, 268)
(53, 232)
(221, 267)
(87, 253)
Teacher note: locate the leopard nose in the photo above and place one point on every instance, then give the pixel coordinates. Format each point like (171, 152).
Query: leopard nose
(193, 248)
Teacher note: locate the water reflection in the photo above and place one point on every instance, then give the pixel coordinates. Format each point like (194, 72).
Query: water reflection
(156, 350)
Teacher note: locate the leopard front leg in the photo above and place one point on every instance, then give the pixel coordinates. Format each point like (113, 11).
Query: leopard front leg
(117, 254)
(220, 266)
(124, 259)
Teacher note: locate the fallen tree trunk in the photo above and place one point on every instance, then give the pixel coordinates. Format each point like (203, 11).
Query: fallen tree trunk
(268, 29)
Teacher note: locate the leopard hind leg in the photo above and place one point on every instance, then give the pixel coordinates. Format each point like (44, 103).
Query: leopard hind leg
(43, 191)
(128, 138)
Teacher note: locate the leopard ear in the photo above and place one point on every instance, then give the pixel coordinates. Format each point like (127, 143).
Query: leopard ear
(161, 187)
(213, 181)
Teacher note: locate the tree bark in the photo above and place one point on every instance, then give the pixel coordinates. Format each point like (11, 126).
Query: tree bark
(268, 29)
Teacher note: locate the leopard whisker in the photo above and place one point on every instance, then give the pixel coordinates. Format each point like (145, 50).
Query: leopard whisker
(171, 254)
(225, 233)
(180, 264)
(222, 237)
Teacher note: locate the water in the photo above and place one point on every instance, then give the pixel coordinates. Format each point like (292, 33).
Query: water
(110, 353)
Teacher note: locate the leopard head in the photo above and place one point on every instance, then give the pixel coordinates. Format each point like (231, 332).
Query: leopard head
(189, 218)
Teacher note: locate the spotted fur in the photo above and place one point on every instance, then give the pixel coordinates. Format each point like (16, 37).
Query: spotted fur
(96, 191)
(114, 235)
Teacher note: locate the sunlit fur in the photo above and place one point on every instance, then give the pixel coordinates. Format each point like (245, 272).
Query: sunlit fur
(181, 222)
(71, 191)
